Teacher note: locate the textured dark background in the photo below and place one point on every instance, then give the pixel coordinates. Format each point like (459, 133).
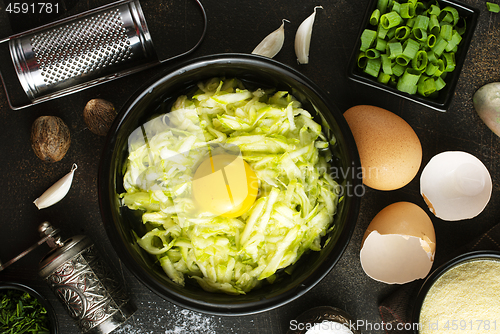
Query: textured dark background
(237, 26)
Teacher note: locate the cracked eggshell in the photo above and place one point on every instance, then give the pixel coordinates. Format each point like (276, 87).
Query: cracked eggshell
(455, 185)
(399, 244)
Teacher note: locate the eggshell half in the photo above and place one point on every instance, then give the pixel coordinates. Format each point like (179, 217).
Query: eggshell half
(389, 149)
(455, 185)
(399, 244)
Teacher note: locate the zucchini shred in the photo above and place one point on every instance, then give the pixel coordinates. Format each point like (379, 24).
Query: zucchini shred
(290, 156)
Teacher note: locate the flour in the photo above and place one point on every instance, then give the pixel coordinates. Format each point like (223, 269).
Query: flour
(174, 321)
(187, 322)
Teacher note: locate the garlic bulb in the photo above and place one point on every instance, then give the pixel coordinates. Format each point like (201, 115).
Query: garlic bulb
(303, 38)
(272, 44)
(57, 191)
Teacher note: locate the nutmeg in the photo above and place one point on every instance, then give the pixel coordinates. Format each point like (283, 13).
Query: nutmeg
(99, 114)
(50, 138)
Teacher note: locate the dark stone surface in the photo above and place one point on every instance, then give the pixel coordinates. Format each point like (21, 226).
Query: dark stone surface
(238, 26)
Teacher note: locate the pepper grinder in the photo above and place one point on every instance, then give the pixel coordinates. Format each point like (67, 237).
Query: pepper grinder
(84, 283)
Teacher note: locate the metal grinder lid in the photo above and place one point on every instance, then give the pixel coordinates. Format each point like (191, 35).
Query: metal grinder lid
(58, 256)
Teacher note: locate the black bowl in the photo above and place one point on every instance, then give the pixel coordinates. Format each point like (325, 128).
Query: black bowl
(436, 274)
(157, 97)
(443, 100)
(53, 324)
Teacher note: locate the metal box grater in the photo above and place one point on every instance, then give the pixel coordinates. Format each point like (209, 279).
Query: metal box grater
(81, 51)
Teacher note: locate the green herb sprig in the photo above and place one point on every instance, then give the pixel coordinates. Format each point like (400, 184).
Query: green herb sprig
(20, 312)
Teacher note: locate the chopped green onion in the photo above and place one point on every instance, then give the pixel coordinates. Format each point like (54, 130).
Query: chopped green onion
(402, 33)
(382, 5)
(439, 46)
(384, 78)
(386, 64)
(375, 17)
(362, 59)
(367, 38)
(420, 34)
(420, 8)
(381, 45)
(403, 60)
(434, 26)
(441, 67)
(390, 20)
(372, 53)
(432, 56)
(411, 48)
(21, 312)
(426, 87)
(461, 26)
(407, 10)
(431, 69)
(449, 62)
(434, 10)
(391, 33)
(393, 81)
(431, 41)
(440, 83)
(395, 49)
(419, 62)
(421, 22)
(381, 32)
(449, 14)
(408, 82)
(373, 67)
(413, 39)
(493, 7)
(398, 70)
(396, 7)
(410, 22)
(455, 40)
(446, 31)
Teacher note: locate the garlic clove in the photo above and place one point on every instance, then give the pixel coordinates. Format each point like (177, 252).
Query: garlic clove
(303, 38)
(57, 191)
(272, 44)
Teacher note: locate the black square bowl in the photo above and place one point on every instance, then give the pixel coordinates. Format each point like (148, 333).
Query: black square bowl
(444, 98)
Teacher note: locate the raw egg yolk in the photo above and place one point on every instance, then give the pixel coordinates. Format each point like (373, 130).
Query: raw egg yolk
(225, 185)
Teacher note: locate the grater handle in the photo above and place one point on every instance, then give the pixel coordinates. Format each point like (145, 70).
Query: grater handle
(202, 36)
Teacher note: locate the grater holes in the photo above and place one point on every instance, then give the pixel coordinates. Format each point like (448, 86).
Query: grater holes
(81, 47)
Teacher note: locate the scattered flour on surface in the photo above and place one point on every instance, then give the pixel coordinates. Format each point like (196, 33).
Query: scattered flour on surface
(189, 322)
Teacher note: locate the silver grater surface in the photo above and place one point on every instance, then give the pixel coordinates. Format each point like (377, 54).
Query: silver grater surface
(81, 47)
(104, 44)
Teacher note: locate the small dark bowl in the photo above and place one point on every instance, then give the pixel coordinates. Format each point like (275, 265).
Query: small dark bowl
(53, 324)
(436, 274)
(443, 100)
(157, 97)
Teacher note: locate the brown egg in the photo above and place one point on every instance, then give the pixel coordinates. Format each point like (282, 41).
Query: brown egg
(389, 149)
